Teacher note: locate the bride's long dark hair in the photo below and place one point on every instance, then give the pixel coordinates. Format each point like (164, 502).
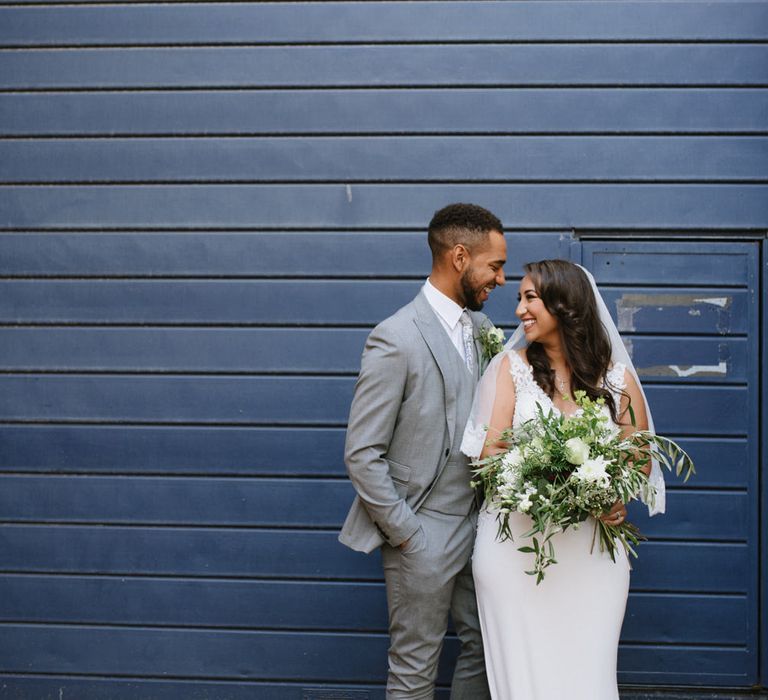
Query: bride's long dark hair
(567, 294)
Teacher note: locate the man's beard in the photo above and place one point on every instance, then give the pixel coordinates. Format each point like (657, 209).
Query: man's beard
(470, 292)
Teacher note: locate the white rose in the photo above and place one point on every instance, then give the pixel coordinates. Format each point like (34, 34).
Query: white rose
(576, 451)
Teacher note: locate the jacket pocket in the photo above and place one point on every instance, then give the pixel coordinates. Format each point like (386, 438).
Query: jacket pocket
(401, 475)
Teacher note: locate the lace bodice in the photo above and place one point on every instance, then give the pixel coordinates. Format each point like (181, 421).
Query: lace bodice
(528, 393)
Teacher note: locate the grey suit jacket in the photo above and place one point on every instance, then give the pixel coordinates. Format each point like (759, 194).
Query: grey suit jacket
(401, 424)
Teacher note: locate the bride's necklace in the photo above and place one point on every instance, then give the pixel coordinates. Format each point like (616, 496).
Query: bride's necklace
(561, 384)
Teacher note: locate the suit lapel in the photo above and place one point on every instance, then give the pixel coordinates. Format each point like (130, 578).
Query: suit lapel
(440, 346)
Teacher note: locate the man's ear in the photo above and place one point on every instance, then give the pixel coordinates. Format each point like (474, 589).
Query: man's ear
(460, 257)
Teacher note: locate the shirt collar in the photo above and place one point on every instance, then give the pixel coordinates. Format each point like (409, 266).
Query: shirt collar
(444, 306)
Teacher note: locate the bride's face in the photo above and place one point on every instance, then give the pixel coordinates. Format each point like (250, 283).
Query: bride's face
(539, 325)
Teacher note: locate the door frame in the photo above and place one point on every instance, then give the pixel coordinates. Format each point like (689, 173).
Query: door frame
(763, 474)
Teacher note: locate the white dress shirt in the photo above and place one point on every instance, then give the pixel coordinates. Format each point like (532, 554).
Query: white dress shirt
(449, 313)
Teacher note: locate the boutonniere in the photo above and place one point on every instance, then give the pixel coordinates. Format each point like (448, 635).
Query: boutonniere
(491, 341)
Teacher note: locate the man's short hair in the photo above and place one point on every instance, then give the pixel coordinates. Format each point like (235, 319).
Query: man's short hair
(468, 224)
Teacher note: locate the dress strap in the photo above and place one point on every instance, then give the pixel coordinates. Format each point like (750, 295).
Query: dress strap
(614, 381)
(521, 372)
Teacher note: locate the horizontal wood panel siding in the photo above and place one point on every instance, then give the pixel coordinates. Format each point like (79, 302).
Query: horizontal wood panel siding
(381, 206)
(385, 159)
(205, 208)
(172, 450)
(386, 66)
(226, 254)
(338, 22)
(452, 112)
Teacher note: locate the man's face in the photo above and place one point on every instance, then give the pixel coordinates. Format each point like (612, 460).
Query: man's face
(484, 272)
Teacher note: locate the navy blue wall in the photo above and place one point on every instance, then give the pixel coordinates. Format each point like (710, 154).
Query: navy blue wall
(205, 207)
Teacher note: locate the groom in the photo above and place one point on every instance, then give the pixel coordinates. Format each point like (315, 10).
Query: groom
(412, 400)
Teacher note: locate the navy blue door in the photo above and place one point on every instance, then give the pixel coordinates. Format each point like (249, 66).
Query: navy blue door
(689, 312)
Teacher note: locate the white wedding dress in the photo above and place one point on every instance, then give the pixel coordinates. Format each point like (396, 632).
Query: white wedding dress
(557, 640)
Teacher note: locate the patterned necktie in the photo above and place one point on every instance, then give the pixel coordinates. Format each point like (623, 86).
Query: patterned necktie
(468, 341)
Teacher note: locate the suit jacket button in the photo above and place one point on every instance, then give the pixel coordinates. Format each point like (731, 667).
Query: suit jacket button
(447, 451)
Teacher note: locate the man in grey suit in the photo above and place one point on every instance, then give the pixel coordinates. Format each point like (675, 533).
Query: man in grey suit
(412, 400)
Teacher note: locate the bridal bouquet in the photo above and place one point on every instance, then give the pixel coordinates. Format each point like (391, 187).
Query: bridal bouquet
(561, 469)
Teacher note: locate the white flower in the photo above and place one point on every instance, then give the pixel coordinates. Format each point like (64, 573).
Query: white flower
(497, 334)
(507, 491)
(512, 459)
(594, 470)
(525, 505)
(611, 433)
(576, 451)
(491, 341)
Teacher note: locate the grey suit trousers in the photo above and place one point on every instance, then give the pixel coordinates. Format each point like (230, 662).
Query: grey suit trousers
(425, 583)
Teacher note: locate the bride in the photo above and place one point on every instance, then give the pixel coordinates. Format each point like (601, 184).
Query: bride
(558, 639)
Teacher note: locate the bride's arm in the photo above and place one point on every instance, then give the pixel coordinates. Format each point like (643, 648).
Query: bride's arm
(503, 411)
(633, 397)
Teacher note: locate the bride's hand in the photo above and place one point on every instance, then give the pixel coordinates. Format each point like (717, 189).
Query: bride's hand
(616, 515)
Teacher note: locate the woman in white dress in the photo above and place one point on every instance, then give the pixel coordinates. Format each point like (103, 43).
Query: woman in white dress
(557, 640)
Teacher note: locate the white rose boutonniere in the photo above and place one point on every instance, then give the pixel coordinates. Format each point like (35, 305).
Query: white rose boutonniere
(491, 341)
